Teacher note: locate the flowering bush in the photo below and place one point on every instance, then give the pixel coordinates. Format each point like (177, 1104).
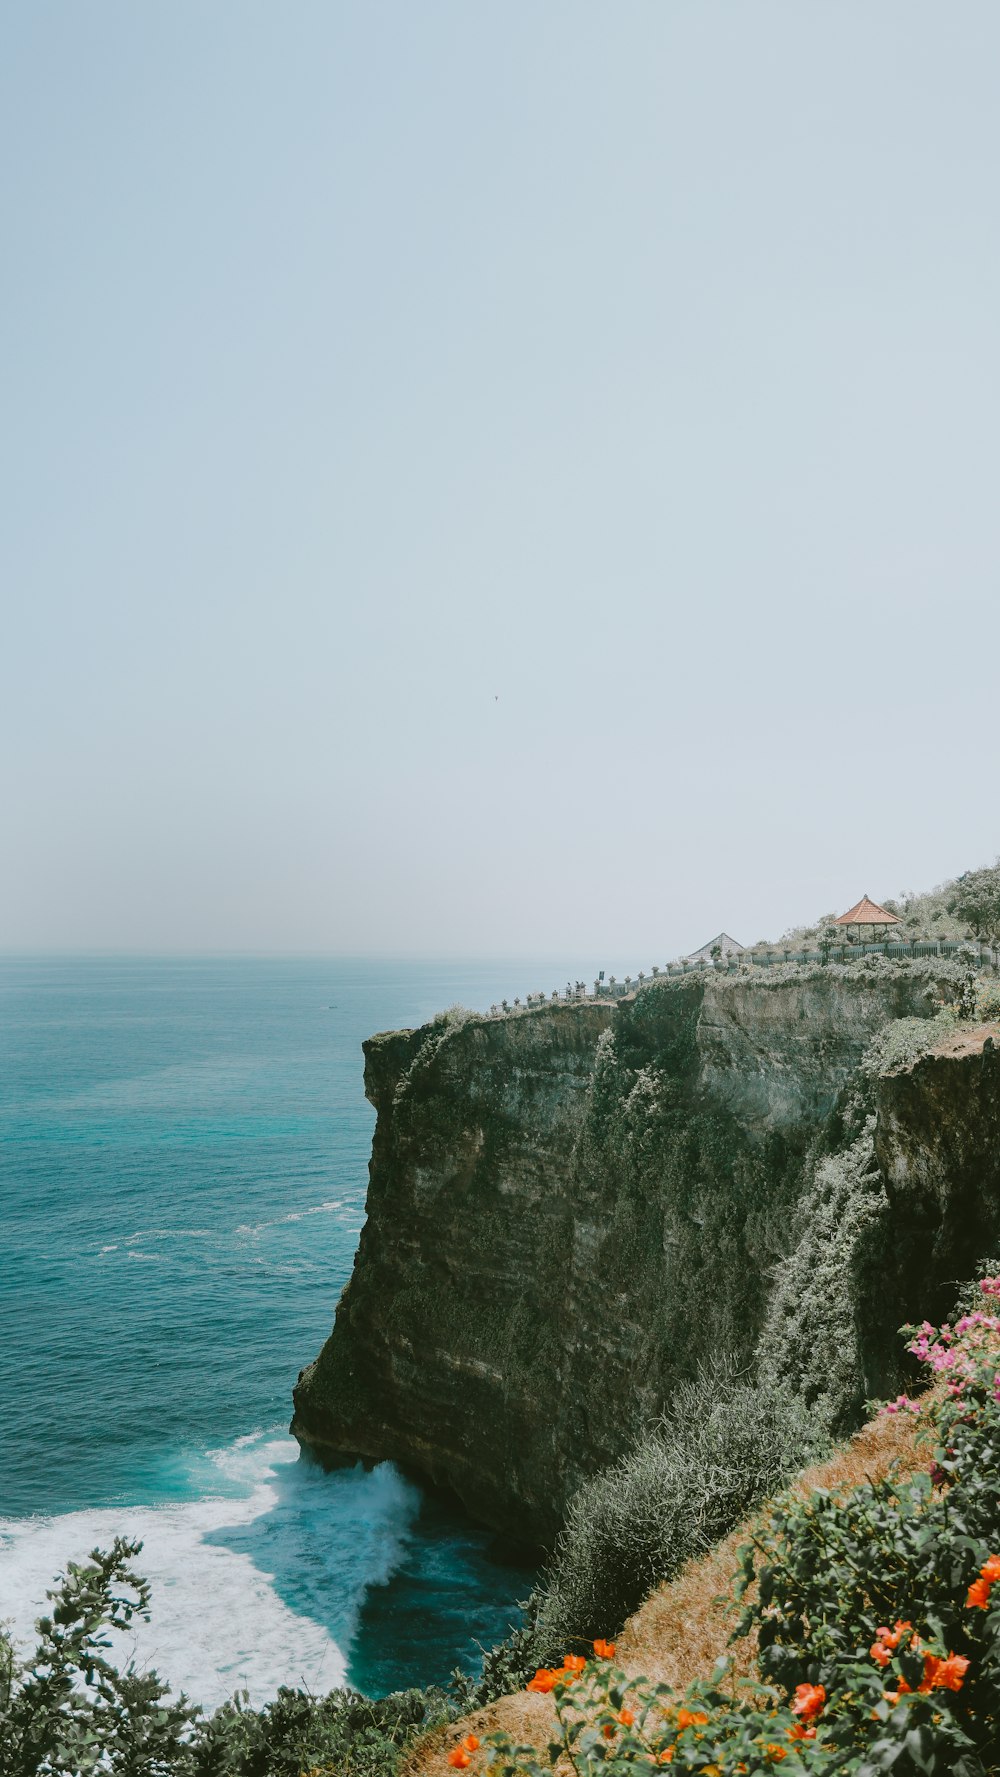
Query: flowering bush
(877, 1618)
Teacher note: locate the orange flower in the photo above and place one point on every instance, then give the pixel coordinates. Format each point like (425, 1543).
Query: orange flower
(459, 1758)
(944, 1675)
(574, 1663)
(626, 1717)
(798, 1732)
(666, 1757)
(605, 1650)
(978, 1595)
(608, 1730)
(775, 1753)
(808, 1701)
(990, 1569)
(471, 1742)
(545, 1679)
(690, 1718)
(886, 1642)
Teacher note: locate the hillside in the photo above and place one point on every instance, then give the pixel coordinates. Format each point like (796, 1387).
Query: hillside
(683, 1628)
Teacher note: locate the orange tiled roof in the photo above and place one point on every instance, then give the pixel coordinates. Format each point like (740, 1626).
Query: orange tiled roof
(867, 913)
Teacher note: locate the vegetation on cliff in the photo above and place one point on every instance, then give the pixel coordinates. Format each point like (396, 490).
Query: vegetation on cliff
(876, 1618)
(724, 1444)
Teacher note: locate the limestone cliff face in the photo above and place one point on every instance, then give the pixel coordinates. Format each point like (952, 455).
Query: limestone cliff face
(937, 1144)
(567, 1208)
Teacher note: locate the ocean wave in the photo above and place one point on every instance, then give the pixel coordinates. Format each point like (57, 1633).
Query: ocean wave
(294, 1215)
(249, 1592)
(170, 1234)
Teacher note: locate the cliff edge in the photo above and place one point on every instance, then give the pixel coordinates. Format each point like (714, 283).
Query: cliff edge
(570, 1206)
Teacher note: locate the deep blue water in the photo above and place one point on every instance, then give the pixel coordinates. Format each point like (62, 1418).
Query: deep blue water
(183, 1157)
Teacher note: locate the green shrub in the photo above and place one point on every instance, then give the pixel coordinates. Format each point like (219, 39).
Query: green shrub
(340, 1735)
(725, 1444)
(877, 1617)
(811, 1334)
(69, 1711)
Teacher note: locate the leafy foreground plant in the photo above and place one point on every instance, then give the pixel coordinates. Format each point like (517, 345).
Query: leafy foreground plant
(74, 1712)
(71, 1712)
(877, 1618)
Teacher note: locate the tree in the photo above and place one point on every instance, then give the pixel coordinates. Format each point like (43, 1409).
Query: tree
(977, 901)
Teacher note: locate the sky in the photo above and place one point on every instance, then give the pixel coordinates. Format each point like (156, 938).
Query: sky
(496, 479)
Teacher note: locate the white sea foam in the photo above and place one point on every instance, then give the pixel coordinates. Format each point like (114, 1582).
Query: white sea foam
(170, 1234)
(251, 1592)
(295, 1215)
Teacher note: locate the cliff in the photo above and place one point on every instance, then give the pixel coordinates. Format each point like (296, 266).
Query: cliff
(568, 1207)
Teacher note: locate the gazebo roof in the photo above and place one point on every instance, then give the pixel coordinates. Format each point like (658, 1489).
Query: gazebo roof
(724, 944)
(867, 913)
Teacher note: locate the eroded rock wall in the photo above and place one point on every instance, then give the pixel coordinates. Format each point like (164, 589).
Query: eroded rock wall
(567, 1209)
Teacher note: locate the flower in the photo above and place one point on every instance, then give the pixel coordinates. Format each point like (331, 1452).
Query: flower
(608, 1730)
(574, 1663)
(798, 1732)
(626, 1717)
(886, 1642)
(666, 1757)
(902, 1404)
(690, 1718)
(808, 1701)
(460, 1754)
(978, 1595)
(545, 1679)
(944, 1675)
(605, 1650)
(774, 1753)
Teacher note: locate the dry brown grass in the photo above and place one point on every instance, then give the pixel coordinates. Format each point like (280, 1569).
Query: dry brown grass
(681, 1630)
(967, 1041)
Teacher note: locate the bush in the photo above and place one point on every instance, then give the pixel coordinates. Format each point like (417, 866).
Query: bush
(811, 1331)
(876, 1615)
(725, 1444)
(327, 1736)
(69, 1710)
(976, 901)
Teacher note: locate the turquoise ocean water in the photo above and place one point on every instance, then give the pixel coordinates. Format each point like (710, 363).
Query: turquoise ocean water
(183, 1165)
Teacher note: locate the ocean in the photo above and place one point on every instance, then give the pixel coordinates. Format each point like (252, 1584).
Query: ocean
(183, 1166)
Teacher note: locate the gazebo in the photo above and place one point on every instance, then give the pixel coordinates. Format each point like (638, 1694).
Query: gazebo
(722, 947)
(867, 918)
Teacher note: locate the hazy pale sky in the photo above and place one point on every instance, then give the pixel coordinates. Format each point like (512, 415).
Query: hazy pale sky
(491, 478)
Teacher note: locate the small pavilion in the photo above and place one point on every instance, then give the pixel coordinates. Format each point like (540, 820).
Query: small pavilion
(722, 947)
(867, 920)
